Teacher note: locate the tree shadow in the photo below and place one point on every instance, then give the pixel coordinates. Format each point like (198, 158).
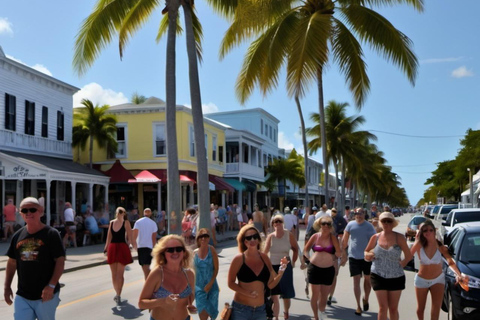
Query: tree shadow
(127, 311)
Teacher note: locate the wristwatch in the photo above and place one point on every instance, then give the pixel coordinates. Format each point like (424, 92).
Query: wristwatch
(51, 286)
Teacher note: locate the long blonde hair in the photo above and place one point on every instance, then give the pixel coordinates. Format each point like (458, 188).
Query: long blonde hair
(158, 252)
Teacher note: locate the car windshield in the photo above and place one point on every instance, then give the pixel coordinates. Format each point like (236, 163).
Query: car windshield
(417, 220)
(447, 209)
(435, 209)
(467, 217)
(470, 252)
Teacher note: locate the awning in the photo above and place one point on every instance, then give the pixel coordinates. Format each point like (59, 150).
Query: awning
(237, 185)
(250, 185)
(184, 178)
(220, 184)
(466, 193)
(145, 177)
(118, 173)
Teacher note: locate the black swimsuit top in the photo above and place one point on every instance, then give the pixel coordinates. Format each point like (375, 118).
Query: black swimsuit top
(118, 236)
(245, 274)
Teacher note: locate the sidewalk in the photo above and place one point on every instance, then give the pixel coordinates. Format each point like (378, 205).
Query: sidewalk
(92, 255)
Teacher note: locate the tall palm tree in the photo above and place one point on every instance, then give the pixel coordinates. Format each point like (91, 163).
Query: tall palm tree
(122, 17)
(92, 123)
(138, 98)
(306, 35)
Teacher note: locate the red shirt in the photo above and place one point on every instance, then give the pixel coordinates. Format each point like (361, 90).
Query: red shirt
(9, 212)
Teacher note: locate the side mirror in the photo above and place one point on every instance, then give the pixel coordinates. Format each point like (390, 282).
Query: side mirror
(445, 224)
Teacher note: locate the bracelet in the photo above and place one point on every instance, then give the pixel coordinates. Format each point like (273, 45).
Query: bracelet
(282, 268)
(51, 286)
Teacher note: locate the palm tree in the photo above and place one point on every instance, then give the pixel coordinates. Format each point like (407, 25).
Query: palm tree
(125, 18)
(306, 35)
(93, 123)
(138, 98)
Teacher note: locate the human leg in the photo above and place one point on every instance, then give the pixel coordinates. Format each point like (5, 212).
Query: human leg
(314, 299)
(22, 309)
(322, 303)
(286, 307)
(382, 298)
(393, 301)
(276, 305)
(436, 291)
(46, 310)
(367, 288)
(421, 294)
(146, 270)
(357, 292)
(334, 284)
(203, 315)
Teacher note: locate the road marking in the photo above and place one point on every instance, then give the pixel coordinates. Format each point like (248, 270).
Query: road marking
(96, 295)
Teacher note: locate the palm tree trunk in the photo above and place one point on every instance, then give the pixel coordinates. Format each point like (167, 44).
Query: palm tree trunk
(343, 195)
(91, 152)
(335, 165)
(173, 185)
(203, 190)
(305, 149)
(321, 109)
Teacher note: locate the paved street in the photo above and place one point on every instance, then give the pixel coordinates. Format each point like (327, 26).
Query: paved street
(88, 293)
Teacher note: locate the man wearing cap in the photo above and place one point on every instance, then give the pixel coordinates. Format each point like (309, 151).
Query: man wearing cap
(144, 239)
(311, 219)
(356, 236)
(290, 221)
(36, 253)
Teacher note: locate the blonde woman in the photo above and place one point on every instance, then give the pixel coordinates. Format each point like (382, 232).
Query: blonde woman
(387, 276)
(250, 274)
(321, 269)
(118, 252)
(169, 289)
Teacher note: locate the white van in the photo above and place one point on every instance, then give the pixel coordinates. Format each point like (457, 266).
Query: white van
(458, 216)
(444, 211)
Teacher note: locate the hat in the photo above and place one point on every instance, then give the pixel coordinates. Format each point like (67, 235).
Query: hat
(30, 200)
(334, 209)
(295, 208)
(286, 210)
(388, 215)
(314, 208)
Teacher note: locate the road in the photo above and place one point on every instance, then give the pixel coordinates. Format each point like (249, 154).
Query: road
(88, 293)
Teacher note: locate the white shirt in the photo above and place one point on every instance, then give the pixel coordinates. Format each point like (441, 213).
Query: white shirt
(68, 215)
(146, 227)
(289, 220)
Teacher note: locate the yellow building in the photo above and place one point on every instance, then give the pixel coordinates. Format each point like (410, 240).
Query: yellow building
(142, 153)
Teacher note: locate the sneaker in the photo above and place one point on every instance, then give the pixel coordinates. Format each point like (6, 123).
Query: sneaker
(332, 299)
(323, 316)
(117, 300)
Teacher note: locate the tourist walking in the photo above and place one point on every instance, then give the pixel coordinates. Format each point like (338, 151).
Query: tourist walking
(250, 274)
(356, 236)
(37, 255)
(144, 238)
(205, 261)
(118, 252)
(387, 276)
(430, 276)
(168, 291)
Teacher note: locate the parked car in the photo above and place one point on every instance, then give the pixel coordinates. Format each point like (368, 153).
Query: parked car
(444, 211)
(464, 245)
(397, 212)
(428, 211)
(413, 225)
(458, 216)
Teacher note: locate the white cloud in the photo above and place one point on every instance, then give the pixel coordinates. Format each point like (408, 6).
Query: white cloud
(283, 141)
(98, 95)
(38, 66)
(206, 108)
(440, 60)
(462, 72)
(5, 26)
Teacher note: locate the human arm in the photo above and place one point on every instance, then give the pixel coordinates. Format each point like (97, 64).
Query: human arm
(7, 287)
(309, 245)
(368, 255)
(408, 256)
(128, 231)
(134, 238)
(268, 244)
(209, 285)
(109, 237)
(294, 247)
(336, 245)
(275, 277)
(191, 281)
(47, 292)
(459, 277)
(154, 238)
(346, 236)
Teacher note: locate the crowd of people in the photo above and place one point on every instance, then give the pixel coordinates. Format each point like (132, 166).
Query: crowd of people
(183, 282)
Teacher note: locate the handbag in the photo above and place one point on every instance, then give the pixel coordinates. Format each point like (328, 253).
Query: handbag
(226, 313)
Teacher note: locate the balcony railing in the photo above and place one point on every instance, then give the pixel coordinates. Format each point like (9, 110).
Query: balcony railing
(20, 142)
(245, 169)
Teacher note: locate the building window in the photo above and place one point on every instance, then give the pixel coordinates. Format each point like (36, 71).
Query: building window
(220, 154)
(44, 122)
(60, 125)
(266, 129)
(214, 148)
(121, 141)
(192, 141)
(261, 126)
(160, 140)
(270, 132)
(274, 135)
(29, 117)
(10, 106)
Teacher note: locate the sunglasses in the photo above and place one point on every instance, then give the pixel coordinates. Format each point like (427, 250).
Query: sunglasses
(278, 221)
(121, 211)
(175, 249)
(27, 210)
(203, 236)
(253, 237)
(326, 224)
(387, 221)
(427, 230)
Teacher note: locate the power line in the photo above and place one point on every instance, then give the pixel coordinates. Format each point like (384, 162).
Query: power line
(414, 136)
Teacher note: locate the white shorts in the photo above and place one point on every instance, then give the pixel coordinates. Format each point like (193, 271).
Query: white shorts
(421, 283)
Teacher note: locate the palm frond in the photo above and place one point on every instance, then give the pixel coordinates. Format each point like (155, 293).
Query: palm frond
(163, 28)
(198, 33)
(416, 4)
(97, 31)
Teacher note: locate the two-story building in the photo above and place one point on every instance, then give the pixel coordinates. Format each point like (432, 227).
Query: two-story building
(138, 170)
(36, 141)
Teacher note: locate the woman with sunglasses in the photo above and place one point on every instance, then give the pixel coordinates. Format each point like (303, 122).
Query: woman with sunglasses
(250, 274)
(169, 289)
(278, 245)
(387, 276)
(205, 261)
(321, 269)
(117, 249)
(430, 276)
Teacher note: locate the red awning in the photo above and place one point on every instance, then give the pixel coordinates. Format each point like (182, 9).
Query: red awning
(184, 178)
(118, 173)
(145, 177)
(220, 184)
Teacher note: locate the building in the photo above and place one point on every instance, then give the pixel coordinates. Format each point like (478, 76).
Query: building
(35, 141)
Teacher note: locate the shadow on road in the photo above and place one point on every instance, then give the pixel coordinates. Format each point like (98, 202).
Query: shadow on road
(127, 311)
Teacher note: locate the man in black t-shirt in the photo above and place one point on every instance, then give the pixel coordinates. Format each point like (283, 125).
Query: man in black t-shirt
(37, 255)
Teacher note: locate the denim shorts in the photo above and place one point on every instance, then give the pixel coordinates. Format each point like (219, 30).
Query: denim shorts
(25, 309)
(243, 312)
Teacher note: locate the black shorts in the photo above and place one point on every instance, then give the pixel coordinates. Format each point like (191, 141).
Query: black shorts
(359, 266)
(389, 284)
(144, 256)
(317, 275)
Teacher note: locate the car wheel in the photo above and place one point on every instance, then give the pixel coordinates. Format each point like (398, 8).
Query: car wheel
(451, 311)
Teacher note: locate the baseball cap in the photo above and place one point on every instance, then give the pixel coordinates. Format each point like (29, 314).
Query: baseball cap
(29, 200)
(314, 208)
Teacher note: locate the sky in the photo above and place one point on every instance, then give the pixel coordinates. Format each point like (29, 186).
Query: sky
(417, 126)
